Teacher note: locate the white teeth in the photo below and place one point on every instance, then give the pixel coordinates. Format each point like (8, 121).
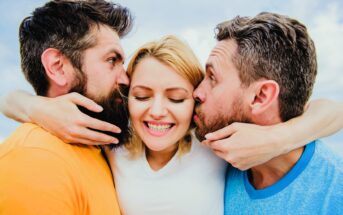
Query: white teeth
(159, 128)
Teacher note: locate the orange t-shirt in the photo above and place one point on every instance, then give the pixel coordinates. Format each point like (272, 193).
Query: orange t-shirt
(40, 174)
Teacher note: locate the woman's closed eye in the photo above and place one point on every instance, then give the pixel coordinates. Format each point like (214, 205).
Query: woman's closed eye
(174, 100)
(141, 98)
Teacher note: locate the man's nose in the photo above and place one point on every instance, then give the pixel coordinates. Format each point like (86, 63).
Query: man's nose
(123, 79)
(198, 95)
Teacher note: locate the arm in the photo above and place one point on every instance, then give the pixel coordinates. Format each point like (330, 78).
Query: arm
(15, 105)
(247, 145)
(322, 118)
(60, 116)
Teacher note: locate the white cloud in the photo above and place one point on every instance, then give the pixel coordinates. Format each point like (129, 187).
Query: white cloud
(327, 33)
(201, 41)
(4, 51)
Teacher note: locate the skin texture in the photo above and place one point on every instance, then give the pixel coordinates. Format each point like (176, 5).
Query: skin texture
(167, 102)
(104, 60)
(256, 103)
(220, 94)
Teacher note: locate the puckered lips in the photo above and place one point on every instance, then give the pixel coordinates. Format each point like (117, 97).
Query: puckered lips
(196, 116)
(158, 129)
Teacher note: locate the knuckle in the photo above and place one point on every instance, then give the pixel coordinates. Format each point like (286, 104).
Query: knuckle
(244, 167)
(229, 159)
(238, 166)
(80, 120)
(94, 136)
(233, 164)
(67, 138)
(72, 131)
(83, 141)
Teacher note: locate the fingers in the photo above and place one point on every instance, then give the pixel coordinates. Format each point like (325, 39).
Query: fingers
(84, 102)
(98, 124)
(222, 133)
(87, 142)
(217, 145)
(95, 136)
(88, 137)
(235, 162)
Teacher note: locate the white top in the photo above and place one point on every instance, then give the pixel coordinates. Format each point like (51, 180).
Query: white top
(192, 184)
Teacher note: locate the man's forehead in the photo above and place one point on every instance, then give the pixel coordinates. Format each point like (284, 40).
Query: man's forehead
(225, 47)
(109, 40)
(223, 51)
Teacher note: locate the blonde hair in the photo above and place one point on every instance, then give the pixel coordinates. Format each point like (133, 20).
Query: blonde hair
(174, 53)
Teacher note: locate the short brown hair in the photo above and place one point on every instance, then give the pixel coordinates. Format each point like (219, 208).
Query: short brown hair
(278, 48)
(67, 26)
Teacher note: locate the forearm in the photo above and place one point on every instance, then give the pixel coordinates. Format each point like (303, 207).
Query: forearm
(322, 118)
(16, 104)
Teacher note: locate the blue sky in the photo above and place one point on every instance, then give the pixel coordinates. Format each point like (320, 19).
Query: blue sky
(194, 22)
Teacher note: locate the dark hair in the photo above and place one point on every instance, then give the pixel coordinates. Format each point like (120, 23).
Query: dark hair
(65, 25)
(278, 48)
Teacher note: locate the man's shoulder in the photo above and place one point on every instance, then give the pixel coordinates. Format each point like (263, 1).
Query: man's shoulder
(36, 174)
(32, 156)
(325, 156)
(325, 171)
(30, 137)
(30, 145)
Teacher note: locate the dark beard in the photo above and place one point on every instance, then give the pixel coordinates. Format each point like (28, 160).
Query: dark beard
(203, 129)
(220, 121)
(115, 111)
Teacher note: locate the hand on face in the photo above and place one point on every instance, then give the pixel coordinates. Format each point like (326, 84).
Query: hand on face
(62, 118)
(245, 145)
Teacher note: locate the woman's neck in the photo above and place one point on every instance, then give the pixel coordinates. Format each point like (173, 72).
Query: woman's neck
(158, 159)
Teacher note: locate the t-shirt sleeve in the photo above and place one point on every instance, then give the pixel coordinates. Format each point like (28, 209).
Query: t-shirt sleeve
(36, 181)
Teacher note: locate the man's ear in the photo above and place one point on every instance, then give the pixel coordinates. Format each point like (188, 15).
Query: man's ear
(52, 60)
(266, 94)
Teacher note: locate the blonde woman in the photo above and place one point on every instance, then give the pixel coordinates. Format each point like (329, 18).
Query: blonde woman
(164, 169)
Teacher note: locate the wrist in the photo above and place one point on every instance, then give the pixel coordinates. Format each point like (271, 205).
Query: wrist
(281, 138)
(34, 107)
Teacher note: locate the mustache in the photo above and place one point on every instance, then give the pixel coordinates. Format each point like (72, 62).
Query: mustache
(115, 111)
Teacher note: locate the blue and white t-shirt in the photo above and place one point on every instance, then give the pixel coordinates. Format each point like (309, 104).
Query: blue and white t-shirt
(313, 186)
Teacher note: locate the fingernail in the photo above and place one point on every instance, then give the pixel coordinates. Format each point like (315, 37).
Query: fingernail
(208, 135)
(100, 108)
(115, 141)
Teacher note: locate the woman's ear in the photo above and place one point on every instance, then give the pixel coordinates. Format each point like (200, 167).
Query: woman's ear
(266, 93)
(52, 60)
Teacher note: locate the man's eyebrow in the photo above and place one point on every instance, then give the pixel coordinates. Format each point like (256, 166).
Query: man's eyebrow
(117, 53)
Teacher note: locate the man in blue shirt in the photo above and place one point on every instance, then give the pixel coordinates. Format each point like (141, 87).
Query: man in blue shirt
(266, 65)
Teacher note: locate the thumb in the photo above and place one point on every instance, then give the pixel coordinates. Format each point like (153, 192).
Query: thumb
(222, 133)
